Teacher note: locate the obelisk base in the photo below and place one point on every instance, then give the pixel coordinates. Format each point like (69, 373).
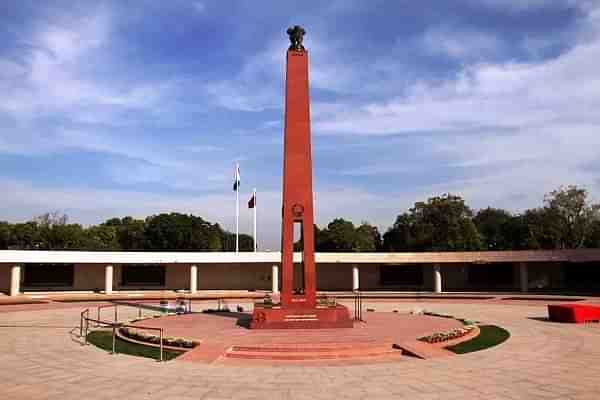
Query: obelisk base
(300, 317)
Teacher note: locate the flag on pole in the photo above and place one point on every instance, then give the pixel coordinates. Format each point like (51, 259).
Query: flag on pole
(236, 178)
(236, 189)
(252, 205)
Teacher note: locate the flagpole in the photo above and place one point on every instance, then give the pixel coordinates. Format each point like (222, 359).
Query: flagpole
(255, 241)
(237, 211)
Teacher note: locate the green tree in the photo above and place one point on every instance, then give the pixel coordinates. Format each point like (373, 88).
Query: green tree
(130, 232)
(593, 240)
(492, 225)
(339, 236)
(572, 218)
(245, 242)
(443, 223)
(367, 238)
(176, 231)
(402, 236)
(516, 234)
(102, 237)
(25, 236)
(5, 235)
(542, 230)
(216, 239)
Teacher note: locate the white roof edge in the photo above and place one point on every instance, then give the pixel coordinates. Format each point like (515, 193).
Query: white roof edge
(121, 257)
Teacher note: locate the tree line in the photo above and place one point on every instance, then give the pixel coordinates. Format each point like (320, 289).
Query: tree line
(566, 220)
(173, 231)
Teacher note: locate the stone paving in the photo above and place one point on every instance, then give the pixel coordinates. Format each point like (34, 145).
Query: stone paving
(372, 340)
(41, 357)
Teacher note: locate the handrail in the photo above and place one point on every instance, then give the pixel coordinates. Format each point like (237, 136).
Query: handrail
(358, 305)
(85, 322)
(86, 312)
(139, 307)
(100, 307)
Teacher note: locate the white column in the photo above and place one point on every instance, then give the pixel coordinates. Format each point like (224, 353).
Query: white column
(15, 280)
(355, 278)
(523, 277)
(193, 279)
(437, 278)
(108, 279)
(275, 279)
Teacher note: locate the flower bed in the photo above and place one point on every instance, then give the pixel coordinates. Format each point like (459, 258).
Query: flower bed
(141, 336)
(447, 336)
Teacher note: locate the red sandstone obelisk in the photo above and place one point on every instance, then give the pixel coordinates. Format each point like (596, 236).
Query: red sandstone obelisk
(298, 308)
(297, 184)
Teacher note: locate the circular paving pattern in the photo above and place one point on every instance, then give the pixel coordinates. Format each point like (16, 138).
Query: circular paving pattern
(41, 357)
(224, 337)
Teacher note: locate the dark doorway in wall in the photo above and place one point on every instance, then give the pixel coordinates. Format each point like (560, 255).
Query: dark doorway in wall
(47, 276)
(147, 275)
(582, 276)
(402, 275)
(491, 276)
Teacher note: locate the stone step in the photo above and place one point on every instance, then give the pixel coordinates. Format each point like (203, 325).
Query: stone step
(322, 347)
(314, 353)
(423, 350)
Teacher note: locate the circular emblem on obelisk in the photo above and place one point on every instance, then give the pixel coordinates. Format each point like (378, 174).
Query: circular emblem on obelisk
(298, 210)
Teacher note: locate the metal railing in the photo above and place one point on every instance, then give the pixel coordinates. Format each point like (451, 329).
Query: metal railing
(358, 306)
(117, 325)
(144, 306)
(84, 322)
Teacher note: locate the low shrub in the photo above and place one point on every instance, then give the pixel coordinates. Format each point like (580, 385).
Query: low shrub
(138, 334)
(446, 336)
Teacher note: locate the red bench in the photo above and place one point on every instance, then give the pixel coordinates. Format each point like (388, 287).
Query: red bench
(575, 313)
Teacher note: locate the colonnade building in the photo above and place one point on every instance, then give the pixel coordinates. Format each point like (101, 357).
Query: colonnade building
(111, 272)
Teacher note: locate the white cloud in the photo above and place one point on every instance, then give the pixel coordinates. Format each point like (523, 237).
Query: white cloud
(10, 70)
(259, 84)
(512, 131)
(202, 148)
(199, 7)
(518, 6)
(55, 74)
(457, 43)
(91, 206)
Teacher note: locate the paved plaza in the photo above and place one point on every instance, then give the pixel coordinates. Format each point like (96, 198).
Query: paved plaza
(42, 358)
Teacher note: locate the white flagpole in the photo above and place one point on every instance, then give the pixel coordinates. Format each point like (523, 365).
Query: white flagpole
(237, 211)
(255, 241)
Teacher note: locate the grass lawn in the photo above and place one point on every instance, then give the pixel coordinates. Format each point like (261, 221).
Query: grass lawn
(103, 340)
(489, 336)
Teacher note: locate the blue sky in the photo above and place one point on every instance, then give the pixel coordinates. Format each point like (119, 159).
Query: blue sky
(134, 108)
